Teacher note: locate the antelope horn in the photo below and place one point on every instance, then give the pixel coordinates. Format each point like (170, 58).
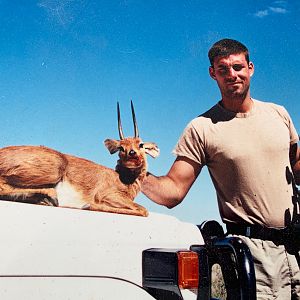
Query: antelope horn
(119, 123)
(136, 131)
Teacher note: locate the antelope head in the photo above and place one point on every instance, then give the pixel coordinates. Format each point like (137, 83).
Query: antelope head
(132, 150)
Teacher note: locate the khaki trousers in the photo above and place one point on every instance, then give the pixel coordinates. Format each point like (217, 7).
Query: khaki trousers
(277, 272)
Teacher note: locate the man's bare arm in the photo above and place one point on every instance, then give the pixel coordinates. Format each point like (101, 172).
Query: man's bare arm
(169, 190)
(295, 162)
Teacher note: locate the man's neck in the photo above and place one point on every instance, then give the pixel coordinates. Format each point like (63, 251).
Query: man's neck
(238, 105)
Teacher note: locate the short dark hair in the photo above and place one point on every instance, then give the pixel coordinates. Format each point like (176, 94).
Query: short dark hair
(226, 47)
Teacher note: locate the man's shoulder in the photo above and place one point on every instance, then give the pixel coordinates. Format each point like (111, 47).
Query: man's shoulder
(271, 107)
(214, 115)
(268, 104)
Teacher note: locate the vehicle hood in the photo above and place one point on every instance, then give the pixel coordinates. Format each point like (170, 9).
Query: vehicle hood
(53, 241)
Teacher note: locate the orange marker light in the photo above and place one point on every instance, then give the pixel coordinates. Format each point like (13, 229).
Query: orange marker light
(188, 266)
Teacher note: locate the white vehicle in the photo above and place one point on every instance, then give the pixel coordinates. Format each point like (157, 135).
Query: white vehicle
(59, 253)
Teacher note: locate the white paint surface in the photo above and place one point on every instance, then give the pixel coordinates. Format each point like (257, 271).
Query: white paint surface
(53, 241)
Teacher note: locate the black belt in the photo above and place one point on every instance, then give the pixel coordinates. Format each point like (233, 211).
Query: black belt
(257, 232)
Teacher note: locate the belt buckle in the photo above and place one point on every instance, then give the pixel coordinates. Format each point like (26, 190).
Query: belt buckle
(248, 231)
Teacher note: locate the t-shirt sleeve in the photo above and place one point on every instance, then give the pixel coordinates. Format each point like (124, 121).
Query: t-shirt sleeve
(190, 145)
(294, 137)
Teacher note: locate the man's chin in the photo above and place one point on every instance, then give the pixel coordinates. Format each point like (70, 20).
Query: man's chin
(237, 93)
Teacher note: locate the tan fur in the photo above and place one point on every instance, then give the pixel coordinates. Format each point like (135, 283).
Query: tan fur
(27, 172)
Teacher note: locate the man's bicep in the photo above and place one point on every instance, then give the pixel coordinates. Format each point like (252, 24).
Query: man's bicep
(183, 173)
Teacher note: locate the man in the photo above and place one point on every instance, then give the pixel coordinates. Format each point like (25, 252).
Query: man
(250, 149)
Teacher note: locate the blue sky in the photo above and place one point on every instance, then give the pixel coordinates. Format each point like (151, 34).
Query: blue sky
(65, 64)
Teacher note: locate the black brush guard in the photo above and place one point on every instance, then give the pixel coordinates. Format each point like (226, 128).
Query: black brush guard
(234, 257)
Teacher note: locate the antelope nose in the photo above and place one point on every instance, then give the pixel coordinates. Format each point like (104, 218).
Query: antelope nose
(132, 153)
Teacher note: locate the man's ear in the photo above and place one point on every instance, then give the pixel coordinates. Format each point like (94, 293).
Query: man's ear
(251, 68)
(212, 72)
(112, 145)
(151, 149)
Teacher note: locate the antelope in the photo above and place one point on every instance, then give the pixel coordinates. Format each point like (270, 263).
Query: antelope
(41, 175)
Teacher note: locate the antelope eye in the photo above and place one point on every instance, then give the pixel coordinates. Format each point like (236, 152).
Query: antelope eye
(141, 145)
(121, 149)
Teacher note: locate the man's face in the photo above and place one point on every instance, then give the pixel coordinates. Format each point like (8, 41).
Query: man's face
(232, 74)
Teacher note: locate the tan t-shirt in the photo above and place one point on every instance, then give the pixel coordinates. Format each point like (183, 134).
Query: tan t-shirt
(247, 155)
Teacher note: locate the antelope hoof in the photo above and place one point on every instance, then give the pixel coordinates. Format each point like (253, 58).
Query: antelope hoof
(48, 201)
(86, 206)
(145, 213)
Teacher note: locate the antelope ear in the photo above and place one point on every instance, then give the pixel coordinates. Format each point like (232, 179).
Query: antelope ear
(151, 149)
(112, 145)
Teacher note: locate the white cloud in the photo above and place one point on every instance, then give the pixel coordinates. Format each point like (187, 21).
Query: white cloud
(278, 7)
(261, 13)
(280, 2)
(278, 10)
(62, 12)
